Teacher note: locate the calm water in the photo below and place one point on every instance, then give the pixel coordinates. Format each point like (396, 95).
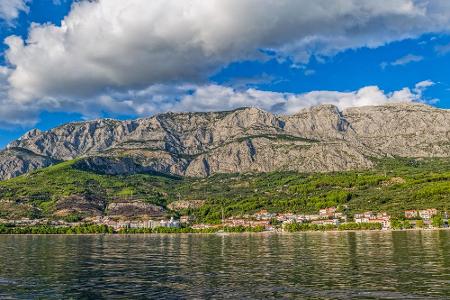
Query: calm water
(361, 265)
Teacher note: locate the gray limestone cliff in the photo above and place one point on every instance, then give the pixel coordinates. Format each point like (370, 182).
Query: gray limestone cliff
(317, 139)
(17, 161)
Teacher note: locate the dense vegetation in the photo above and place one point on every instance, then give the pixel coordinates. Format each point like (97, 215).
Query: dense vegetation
(44, 229)
(395, 185)
(191, 230)
(401, 223)
(96, 229)
(293, 227)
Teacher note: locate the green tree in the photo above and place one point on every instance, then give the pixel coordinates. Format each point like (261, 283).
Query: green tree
(406, 224)
(396, 224)
(437, 221)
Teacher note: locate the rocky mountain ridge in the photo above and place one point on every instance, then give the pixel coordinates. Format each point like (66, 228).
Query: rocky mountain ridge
(317, 139)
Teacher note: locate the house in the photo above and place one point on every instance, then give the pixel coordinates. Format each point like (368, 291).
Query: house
(286, 216)
(358, 216)
(361, 219)
(115, 225)
(186, 219)
(339, 215)
(427, 214)
(365, 215)
(172, 223)
(334, 222)
(385, 222)
(312, 217)
(231, 222)
(411, 214)
(264, 215)
(369, 214)
(327, 212)
(370, 217)
(132, 224)
(263, 223)
(136, 225)
(152, 224)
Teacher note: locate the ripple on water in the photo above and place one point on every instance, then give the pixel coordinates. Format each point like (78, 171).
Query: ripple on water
(347, 265)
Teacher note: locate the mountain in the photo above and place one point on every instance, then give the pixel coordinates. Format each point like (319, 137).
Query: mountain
(317, 139)
(65, 192)
(17, 161)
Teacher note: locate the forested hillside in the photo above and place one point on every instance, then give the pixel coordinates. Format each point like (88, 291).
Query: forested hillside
(393, 185)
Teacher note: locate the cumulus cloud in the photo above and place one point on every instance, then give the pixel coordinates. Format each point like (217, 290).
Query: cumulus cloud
(187, 97)
(12, 113)
(212, 97)
(109, 46)
(10, 9)
(366, 96)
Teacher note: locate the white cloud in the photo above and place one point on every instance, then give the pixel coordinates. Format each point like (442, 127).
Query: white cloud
(409, 58)
(109, 46)
(216, 97)
(186, 97)
(213, 97)
(366, 96)
(421, 86)
(404, 60)
(11, 112)
(142, 57)
(10, 9)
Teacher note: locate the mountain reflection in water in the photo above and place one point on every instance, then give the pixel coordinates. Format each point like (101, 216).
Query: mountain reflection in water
(342, 265)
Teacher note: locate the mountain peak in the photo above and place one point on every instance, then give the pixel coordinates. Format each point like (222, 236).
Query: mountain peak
(248, 139)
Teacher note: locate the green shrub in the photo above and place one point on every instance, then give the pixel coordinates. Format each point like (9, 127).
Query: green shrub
(437, 221)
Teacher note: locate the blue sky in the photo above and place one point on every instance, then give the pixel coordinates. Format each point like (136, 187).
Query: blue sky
(102, 67)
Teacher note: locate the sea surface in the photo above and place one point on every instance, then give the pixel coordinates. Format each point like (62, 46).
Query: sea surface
(342, 265)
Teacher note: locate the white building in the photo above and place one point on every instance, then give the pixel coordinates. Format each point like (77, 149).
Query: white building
(172, 223)
(427, 214)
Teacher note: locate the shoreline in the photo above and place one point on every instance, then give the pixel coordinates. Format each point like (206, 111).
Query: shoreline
(376, 230)
(229, 233)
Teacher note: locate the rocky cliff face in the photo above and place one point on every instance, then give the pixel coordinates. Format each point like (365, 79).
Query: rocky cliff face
(17, 161)
(320, 139)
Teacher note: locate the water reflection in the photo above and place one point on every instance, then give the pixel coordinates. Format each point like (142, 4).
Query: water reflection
(343, 265)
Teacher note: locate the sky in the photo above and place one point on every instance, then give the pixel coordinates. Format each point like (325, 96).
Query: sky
(64, 60)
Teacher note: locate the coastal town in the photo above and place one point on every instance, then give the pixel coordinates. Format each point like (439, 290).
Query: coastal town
(264, 220)
(331, 217)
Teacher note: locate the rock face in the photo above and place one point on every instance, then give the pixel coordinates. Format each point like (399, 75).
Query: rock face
(134, 209)
(17, 161)
(83, 204)
(186, 204)
(317, 139)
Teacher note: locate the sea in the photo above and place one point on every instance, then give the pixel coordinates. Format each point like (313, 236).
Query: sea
(306, 265)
